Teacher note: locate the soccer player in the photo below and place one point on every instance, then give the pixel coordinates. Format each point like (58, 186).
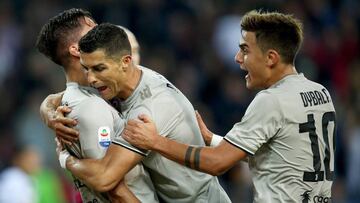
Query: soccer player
(106, 57)
(98, 122)
(288, 130)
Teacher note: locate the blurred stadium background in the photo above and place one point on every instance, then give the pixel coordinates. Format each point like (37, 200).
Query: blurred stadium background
(192, 43)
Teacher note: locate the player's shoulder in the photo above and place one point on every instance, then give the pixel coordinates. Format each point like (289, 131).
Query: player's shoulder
(153, 79)
(292, 84)
(90, 110)
(314, 84)
(155, 86)
(157, 94)
(265, 98)
(78, 96)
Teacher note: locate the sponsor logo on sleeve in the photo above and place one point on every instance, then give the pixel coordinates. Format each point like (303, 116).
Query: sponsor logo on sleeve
(104, 136)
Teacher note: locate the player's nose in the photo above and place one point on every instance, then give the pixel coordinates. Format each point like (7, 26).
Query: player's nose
(91, 78)
(239, 57)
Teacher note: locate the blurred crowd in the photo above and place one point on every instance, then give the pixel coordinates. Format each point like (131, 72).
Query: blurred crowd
(193, 44)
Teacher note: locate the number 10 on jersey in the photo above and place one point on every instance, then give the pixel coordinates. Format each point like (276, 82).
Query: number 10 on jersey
(310, 128)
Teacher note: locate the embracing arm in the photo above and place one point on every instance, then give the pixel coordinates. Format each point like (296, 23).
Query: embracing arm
(52, 115)
(121, 193)
(104, 174)
(212, 160)
(48, 107)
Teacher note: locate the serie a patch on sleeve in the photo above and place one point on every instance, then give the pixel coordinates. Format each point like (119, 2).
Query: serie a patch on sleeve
(104, 136)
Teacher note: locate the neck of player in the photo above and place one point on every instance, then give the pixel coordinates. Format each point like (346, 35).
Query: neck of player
(75, 74)
(134, 77)
(280, 72)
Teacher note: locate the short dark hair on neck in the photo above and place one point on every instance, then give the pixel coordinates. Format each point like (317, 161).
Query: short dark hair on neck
(274, 30)
(110, 38)
(59, 31)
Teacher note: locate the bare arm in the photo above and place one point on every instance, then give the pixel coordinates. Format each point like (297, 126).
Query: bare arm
(121, 193)
(53, 116)
(118, 192)
(212, 160)
(48, 108)
(104, 174)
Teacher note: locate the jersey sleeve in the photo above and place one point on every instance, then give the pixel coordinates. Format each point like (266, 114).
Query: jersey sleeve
(165, 114)
(262, 120)
(96, 127)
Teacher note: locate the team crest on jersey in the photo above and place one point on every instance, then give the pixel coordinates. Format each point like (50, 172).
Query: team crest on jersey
(104, 136)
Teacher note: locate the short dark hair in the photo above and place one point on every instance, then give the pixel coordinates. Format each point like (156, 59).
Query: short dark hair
(274, 30)
(59, 31)
(111, 38)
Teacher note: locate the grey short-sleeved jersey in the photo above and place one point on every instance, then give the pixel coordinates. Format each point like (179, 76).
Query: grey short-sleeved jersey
(98, 124)
(174, 117)
(288, 130)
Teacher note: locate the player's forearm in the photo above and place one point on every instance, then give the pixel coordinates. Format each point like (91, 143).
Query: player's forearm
(92, 172)
(49, 105)
(204, 159)
(121, 193)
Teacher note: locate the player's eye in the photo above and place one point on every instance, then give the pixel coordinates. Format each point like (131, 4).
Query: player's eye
(244, 50)
(99, 69)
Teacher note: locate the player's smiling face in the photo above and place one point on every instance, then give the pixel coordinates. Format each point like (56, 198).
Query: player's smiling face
(104, 73)
(253, 60)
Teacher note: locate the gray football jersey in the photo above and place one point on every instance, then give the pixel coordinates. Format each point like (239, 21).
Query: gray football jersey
(174, 117)
(98, 124)
(288, 131)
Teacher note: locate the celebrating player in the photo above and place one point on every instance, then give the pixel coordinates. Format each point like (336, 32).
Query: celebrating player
(98, 122)
(105, 55)
(288, 130)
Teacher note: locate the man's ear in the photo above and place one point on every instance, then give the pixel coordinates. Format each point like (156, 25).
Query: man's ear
(273, 57)
(74, 50)
(126, 61)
